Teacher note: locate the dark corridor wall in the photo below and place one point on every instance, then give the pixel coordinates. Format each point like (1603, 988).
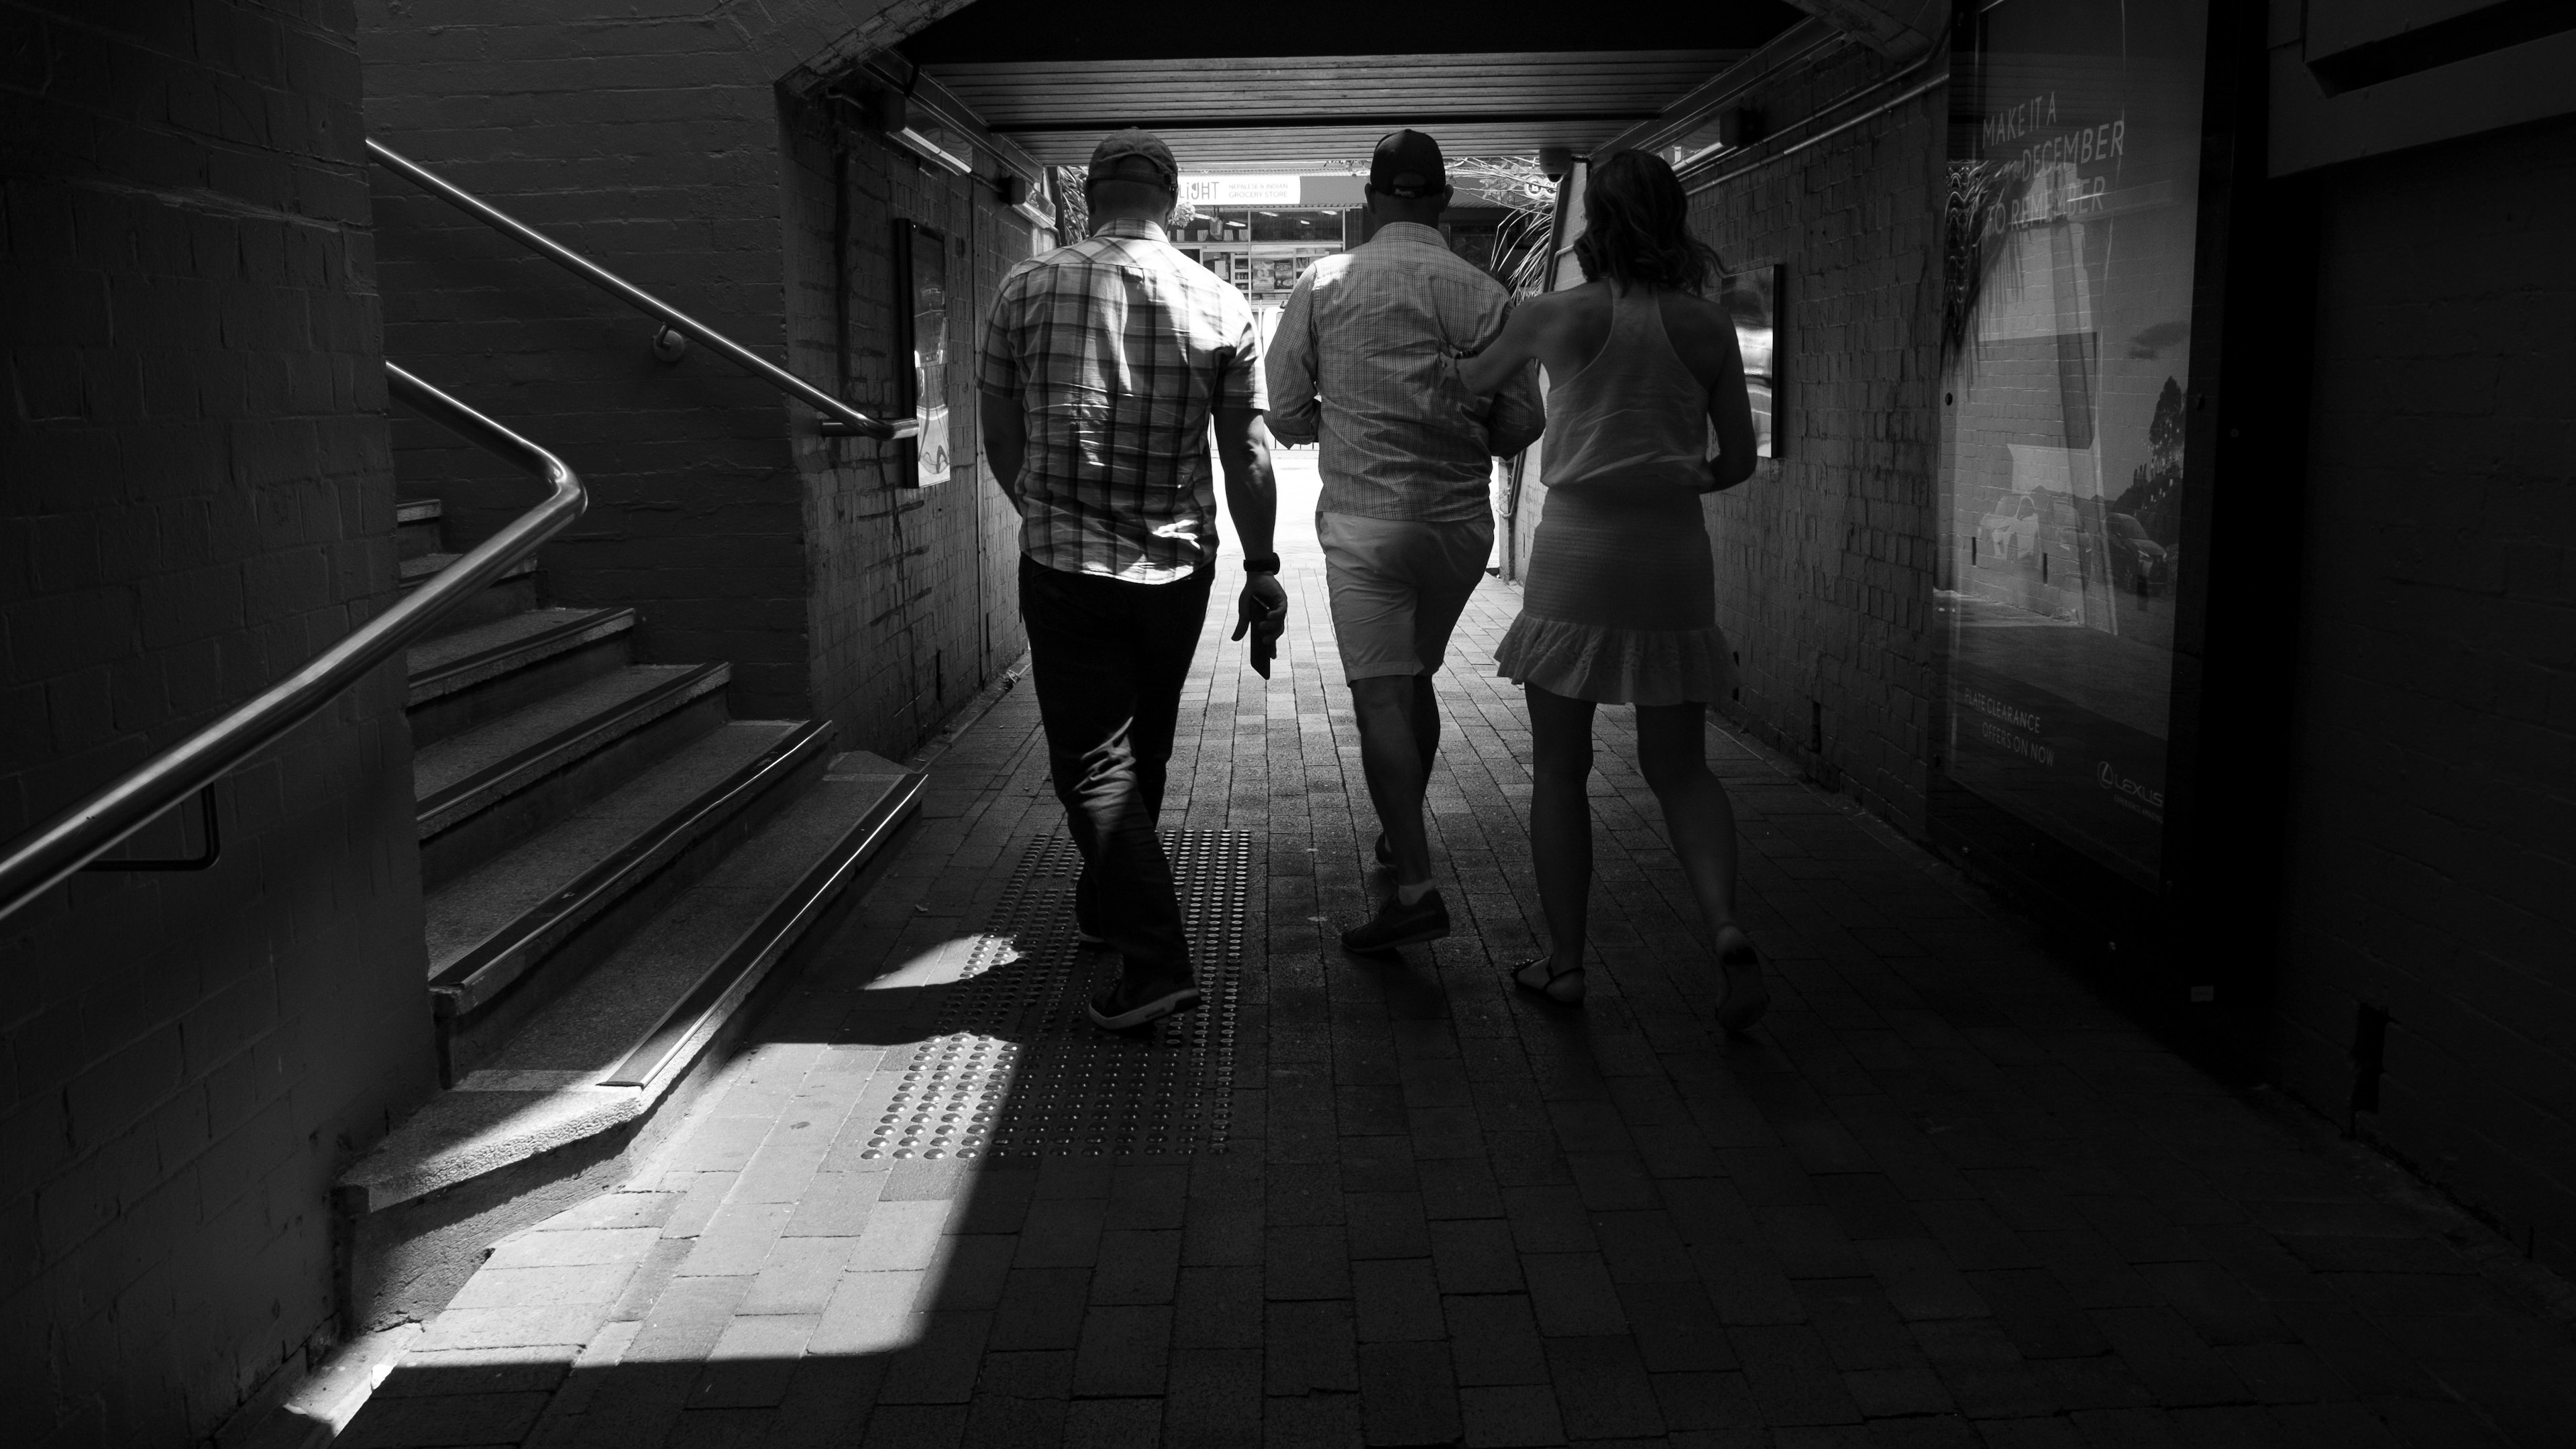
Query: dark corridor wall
(2433, 851)
(197, 499)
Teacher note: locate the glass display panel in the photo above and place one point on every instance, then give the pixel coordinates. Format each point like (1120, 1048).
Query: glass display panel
(929, 268)
(1752, 297)
(2074, 172)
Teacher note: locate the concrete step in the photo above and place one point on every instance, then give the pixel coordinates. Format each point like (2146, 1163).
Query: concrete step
(513, 934)
(570, 1103)
(479, 791)
(515, 591)
(417, 529)
(462, 679)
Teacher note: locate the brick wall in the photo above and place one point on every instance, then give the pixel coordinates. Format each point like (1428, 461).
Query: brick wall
(199, 498)
(1823, 566)
(1823, 557)
(2433, 856)
(654, 144)
(912, 603)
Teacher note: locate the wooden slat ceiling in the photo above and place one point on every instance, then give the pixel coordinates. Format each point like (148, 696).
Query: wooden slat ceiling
(1044, 30)
(1309, 112)
(1317, 82)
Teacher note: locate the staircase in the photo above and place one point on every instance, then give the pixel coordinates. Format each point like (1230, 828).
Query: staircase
(611, 864)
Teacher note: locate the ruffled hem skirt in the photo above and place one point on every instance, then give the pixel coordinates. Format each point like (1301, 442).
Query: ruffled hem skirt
(1617, 666)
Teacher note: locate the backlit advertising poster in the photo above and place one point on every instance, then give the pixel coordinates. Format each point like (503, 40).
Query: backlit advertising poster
(2074, 176)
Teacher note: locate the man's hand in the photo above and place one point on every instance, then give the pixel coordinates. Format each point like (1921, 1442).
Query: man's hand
(1262, 610)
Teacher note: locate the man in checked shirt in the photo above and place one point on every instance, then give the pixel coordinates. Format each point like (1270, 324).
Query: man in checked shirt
(1363, 358)
(1103, 365)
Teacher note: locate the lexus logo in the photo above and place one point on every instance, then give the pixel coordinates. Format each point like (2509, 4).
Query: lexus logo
(2112, 779)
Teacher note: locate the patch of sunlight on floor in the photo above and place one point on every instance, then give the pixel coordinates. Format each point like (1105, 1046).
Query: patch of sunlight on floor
(959, 958)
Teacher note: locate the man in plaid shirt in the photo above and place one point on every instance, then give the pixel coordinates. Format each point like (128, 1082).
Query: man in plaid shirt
(1365, 358)
(1102, 367)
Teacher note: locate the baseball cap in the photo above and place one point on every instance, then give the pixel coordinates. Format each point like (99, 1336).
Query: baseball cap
(1407, 164)
(1135, 154)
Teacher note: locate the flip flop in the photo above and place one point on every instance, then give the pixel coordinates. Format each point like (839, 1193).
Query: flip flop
(1741, 1008)
(1571, 995)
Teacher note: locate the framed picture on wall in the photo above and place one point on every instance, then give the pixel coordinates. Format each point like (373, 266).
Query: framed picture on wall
(921, 315)
(1751, 294)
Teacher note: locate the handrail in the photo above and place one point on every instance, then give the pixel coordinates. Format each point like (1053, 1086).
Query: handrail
(636, 297)
(37, 862)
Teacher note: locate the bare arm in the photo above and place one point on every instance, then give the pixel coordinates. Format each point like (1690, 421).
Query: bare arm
(1251, 492)
(1730, 410)
(1510, 355)
(1252, 497)
(1006, 441)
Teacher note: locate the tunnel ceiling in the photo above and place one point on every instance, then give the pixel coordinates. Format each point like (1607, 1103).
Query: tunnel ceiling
(1247, 88)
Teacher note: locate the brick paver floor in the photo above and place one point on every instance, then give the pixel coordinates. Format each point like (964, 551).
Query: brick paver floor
(1940, 1197)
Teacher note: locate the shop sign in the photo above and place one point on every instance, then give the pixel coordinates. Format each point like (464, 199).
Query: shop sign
(1240, 190)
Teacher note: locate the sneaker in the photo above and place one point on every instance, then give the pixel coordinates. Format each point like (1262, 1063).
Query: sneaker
(1125, 1006)
(1398, 924)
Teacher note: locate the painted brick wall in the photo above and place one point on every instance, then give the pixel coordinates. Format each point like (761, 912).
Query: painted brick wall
(2433, 858)
(653, 143)
(913, 595)
(198, 498)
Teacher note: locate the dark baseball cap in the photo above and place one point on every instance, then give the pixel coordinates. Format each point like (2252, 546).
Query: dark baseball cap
(1135, 154)
(1407, 164)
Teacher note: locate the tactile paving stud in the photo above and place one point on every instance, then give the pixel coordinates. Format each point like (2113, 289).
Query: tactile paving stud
(1014, 1068)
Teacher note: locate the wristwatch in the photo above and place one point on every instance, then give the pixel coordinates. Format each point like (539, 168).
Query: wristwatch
(1261, 563)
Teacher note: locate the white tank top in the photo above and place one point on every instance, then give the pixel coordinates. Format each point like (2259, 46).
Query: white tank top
(1634, 414)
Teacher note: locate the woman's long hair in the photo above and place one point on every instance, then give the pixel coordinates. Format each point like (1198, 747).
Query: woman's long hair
(1636, 227)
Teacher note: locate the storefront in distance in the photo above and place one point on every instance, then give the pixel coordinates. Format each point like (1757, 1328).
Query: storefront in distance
(1262, 232)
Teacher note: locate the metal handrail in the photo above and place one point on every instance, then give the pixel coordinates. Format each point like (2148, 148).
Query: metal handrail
(39, 861)
(643, 301)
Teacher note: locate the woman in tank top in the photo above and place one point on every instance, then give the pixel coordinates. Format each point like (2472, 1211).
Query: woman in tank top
(1620, 605)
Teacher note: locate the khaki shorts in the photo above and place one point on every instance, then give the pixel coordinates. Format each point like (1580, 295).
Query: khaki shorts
(1398, 588)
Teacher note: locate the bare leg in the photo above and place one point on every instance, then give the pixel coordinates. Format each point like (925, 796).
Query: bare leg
(1389, 708)
(1426, 739)
(1561, 827)
(1426, 723)
(1696, 810)
(1671, 750)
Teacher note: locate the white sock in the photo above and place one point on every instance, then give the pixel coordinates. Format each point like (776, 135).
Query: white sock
(1411, 895)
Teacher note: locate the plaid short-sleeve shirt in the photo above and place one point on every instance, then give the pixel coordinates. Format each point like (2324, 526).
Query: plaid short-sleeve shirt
(1119, 350)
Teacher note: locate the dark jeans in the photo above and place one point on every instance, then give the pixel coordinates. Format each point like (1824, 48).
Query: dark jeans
(1110, 657)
